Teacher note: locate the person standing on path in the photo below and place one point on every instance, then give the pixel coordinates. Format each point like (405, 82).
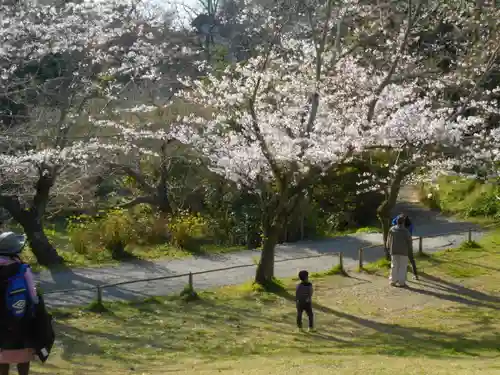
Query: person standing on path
(400, 245)
(411, 256)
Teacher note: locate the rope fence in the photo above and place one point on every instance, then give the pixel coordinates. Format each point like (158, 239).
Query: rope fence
(190, 275)
(420, 240)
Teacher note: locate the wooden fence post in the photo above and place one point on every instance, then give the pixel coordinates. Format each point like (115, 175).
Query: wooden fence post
(469, 238)
(99, 295)
(190, 281)
(360, 256)
(420, 245)
(341, 262)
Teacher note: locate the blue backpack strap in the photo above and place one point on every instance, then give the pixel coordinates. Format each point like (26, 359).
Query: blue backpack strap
(24, 267)
(18, 295)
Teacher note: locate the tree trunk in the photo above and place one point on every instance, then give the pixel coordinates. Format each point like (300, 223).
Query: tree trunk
(385, 209)
(385, 222)
(32, 219)
(44, 252)
(265, 269)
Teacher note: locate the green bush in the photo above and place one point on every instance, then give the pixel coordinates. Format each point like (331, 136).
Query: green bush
(113, 232)
(189, 230)
(463, 196)
(117, 230)
(150, 227)
(82, 233)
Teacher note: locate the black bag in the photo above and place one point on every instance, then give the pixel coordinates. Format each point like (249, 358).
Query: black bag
(43, 331)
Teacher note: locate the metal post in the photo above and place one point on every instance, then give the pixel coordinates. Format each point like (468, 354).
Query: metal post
(99, 295)
(360, 256)
(470, 235)
(190, 281)
(341, 262)
(420, 245)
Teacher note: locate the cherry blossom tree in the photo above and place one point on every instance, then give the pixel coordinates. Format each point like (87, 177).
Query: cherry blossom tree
(63, 66)
(310, 102)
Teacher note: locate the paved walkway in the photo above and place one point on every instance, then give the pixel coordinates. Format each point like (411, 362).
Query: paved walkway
(427, 223)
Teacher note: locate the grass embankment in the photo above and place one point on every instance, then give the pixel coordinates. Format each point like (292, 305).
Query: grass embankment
(447, 323)
(100, 257)
(464, 197)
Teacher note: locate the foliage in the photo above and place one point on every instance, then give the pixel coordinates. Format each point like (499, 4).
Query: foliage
(465, 196)
(298, 111)
(188, 230)
(337, 104)
(113, 231)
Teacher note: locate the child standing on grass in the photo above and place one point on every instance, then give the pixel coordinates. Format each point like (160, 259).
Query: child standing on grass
(303, 298)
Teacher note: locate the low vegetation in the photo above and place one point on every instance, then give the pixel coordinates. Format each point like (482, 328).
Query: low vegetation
(447, 321)
(467, 197)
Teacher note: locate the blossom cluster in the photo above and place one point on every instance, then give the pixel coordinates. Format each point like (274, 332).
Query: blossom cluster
(274, 110)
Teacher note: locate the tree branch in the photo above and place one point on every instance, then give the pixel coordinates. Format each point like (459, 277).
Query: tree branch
(411, 19)
(136, 175)
(138, 200)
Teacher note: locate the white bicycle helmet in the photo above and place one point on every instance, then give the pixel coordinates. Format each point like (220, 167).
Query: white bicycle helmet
(11, 243)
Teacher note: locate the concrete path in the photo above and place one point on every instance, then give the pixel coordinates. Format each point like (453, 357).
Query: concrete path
(427, 223)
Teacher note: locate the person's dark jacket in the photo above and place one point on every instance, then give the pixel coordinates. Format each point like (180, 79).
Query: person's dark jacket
(399, 241)
(304, 292)
(43, 331)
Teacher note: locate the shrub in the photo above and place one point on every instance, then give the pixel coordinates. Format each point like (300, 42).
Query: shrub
(113, 232)
(81, 231)
(465, 196)
(117, 230)
(188, 230)
(149, 226)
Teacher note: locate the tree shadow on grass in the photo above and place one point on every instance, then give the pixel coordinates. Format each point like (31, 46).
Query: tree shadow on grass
(394, 339)
(466, 295)
(211, 329)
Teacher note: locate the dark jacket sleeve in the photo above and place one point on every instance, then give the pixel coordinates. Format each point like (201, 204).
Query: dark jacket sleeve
(43, 331)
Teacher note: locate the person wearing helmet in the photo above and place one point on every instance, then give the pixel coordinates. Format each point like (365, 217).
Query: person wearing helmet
(411, 257)
(18, 295)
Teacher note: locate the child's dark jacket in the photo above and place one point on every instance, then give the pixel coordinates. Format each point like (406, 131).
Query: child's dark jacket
(304, 292)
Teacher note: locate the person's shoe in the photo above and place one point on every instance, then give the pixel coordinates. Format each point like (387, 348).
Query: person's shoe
(393, 284)
(415, 277)
(311, 330)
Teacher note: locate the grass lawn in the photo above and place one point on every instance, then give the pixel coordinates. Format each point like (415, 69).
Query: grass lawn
(447, 323)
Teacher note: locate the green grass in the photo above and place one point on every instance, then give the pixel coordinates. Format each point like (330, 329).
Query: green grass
(363, 326)
(368, 229)
(465, 198)
(381, 265)
(335, 270)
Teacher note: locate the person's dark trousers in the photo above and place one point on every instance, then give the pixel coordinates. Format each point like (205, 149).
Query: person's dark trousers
(307, 307)
(411, 258)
